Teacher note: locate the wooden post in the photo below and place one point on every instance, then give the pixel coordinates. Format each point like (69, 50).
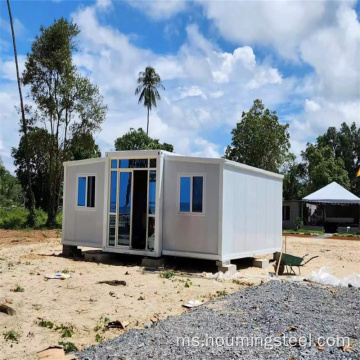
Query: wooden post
(278, 265)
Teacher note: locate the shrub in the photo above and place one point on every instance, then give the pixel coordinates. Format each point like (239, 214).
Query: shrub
(16, 218)
(13, 218)
(167, 274)
(18, 289)
(68, 346)
(11, 336)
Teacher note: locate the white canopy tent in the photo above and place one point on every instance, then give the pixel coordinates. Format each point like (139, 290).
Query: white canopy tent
(332, 194)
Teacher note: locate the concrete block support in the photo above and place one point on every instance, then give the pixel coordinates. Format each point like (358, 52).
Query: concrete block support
(230, 268)
(261, 263)
(153, 263)
(71, 251)
(97, 256)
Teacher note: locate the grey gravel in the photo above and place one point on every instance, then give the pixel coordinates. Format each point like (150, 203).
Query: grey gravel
(274, 309)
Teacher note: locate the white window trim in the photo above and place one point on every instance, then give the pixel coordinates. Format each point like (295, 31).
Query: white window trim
(191, 175)
(84, 208)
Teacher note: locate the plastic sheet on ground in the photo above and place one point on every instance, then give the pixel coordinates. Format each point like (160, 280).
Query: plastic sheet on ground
(222, 276)
(325, 277)
(60, 276)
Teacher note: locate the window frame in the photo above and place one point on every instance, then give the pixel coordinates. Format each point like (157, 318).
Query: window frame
(86, 207)
(191, 176)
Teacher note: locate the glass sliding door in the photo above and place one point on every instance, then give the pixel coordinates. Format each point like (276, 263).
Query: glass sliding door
(132, 203)
(124, 213)
(112, 209)
(151, 211)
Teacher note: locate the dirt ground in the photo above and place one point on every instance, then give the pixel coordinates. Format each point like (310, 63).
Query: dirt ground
(81, 304)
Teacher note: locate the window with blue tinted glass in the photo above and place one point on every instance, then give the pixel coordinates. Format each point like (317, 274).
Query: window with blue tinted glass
(113, 187)
(185, 188)
(113, 164)
(152, 192)
(81, 191)
(123, 164)
(197, 195)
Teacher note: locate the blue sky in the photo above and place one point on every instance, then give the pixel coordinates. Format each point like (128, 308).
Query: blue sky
(300, 57)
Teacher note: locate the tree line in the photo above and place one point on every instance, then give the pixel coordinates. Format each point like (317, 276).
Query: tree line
(68, 110)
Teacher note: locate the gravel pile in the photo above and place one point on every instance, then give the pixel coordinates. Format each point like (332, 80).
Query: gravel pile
(277, 320)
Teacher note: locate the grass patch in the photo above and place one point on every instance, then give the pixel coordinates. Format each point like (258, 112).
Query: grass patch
(188, 283)
(102, 324)
(18, 289)
(221, 293)
(11, 336)
(65, 271)
(304, 232)
(66, 331)
(68, 346)
(346, 235)
(98, 338)
(47, 324)
(167, 274)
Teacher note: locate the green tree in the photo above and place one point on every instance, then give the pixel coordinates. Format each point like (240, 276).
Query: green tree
(38, 153)
(294, 184)
(345, 145)
(24, 129)
(259, 139)
(323, 168)
(81, 146)
(148, 84)
(66, 102)
(138, 140)
(10, 189)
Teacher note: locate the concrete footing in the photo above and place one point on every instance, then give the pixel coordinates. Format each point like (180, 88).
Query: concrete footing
(71, 251)
(153, 263)
(261, 263)
(230, 268)
(96, 255)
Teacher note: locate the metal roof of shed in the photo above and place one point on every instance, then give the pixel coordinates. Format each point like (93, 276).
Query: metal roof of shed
(332, 194)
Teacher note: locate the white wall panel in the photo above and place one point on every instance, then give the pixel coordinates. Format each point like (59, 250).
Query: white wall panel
(192, 233)
(84, 225)
(252, 213)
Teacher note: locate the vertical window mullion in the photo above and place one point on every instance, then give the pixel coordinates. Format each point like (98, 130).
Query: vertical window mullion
(86, 190)
(191, 194)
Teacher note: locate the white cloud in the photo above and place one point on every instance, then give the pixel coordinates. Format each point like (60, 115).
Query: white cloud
(280, 24)
(207, 88)
(311, 105)
(19, 28)
(334, 52)
(8, 69)
(159, 10)
(191, 77)
(191, 91)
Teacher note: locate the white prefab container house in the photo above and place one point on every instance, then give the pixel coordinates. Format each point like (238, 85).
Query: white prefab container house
(154, 203)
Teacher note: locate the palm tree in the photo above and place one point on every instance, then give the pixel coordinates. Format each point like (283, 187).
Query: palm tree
(30, 193)
(148, 84)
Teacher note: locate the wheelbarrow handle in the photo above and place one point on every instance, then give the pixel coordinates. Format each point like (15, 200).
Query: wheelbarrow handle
(314, 257)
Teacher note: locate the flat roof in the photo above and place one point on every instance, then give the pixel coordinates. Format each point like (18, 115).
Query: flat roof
(176, 157)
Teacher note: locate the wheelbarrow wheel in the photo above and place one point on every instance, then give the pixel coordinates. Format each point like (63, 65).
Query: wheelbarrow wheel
(281, 269)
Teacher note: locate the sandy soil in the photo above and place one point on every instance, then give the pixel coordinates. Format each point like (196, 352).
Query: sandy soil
(80, 302)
